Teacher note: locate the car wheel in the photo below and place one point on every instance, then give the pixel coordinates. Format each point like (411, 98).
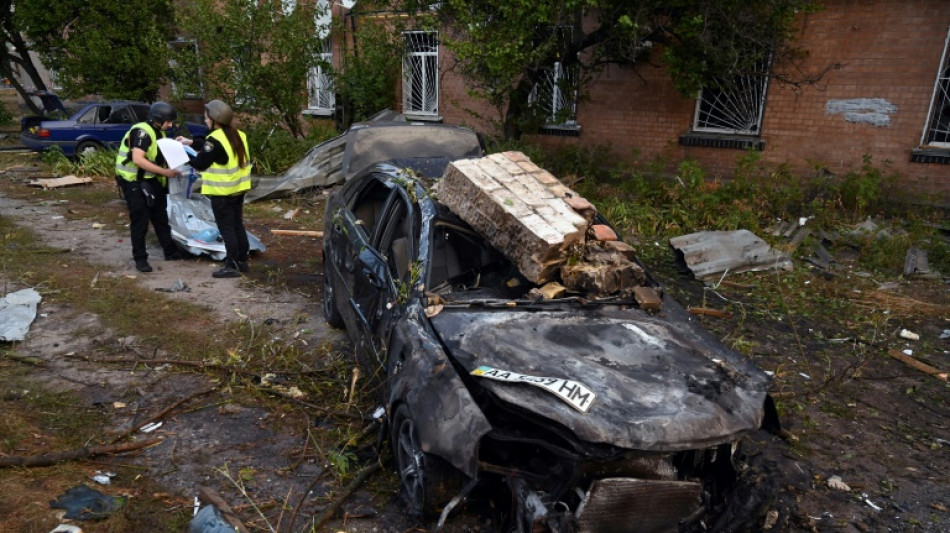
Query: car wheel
(87, 147)
(427, 481)
(330, 311)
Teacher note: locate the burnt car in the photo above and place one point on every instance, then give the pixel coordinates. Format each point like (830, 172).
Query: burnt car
(577, 412)
(95, 126)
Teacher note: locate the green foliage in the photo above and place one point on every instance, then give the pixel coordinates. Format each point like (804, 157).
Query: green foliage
(6, 117)
(253, 55)
(504, 48)
(105, 47)
(863, 191)
(367, 82)
(98, 163)
(341, 461)
(274, 150)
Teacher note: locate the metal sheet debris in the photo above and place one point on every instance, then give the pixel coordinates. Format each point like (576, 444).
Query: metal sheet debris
(712, 254)
(387, 136)
(17, 312)
(192, 221)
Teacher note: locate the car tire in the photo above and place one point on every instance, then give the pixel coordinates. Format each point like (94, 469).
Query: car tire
(426, 481)
(330, 311)
(87, 147)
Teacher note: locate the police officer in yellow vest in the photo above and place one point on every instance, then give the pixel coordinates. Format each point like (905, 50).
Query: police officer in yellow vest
(141, 173)
(225, 165)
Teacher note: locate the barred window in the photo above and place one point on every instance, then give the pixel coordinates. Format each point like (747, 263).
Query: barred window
(736, 110)
(937, 132)
(420, 71)
(555, 96)
(320, 82)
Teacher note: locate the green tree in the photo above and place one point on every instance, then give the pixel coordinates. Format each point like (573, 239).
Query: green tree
(366, 83)
(15, 57)
(107, 47)
(254, 55)
(504, 47)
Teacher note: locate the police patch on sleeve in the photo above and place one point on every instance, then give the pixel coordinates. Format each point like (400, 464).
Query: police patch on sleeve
(141, 135)
(208, 147)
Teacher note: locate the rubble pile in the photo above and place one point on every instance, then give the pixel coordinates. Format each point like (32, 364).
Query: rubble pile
(539, 223)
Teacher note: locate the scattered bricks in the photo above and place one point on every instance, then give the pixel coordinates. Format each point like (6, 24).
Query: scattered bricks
(625, 249)
(601, 232)
(597, 268)
(601, 278)
(520, 207)
(647, 298)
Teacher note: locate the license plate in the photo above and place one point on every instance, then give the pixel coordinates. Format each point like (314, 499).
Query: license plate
(573, 393)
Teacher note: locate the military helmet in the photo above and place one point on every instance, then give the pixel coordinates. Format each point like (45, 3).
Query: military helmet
(161, 112)
(219, 112)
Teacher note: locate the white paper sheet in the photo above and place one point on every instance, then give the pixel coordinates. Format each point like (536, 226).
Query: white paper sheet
(174, 152)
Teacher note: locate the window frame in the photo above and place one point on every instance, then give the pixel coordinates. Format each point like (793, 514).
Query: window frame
(941, 89)
(430, 109)
(556, 79)
(754, 131)
(320, 86)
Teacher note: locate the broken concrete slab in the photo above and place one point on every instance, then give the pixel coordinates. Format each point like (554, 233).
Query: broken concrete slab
(711, 254)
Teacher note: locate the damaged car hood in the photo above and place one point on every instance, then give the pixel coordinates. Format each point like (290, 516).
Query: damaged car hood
(660, 383)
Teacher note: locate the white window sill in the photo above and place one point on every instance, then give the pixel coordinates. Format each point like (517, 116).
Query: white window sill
(318, 112)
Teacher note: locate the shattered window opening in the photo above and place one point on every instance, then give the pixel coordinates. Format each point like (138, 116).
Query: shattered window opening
(736, 111)
(937, 132)
(320, 82)
(555, 93)
(420, 87)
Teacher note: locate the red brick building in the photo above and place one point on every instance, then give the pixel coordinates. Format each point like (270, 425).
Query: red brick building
(886, 95)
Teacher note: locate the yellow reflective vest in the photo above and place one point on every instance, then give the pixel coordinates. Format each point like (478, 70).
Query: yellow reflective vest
(227, 179)
(125, 168)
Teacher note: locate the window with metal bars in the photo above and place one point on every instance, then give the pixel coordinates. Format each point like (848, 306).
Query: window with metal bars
(320, 82)
(737, 110)
(420, 74)
(555, 97)
(937, 133)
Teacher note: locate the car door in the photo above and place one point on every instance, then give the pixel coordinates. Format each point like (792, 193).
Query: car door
(114, 124)
(360, 271)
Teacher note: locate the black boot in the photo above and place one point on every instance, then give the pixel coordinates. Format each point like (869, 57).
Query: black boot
(142, 265)
(226, 272)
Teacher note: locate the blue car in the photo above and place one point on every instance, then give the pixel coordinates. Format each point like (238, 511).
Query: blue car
(94, 127)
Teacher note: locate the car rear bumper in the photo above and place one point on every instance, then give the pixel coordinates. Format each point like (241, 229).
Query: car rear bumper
(39, 145)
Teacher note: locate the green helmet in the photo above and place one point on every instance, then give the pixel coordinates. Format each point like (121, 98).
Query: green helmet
(219, 112)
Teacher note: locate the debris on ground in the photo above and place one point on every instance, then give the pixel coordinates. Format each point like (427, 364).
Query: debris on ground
(178, 286)
(55, 183)
(383, 137)
(221, 510)
(711, 255)
(17, 312)
(923, 367)
(916, 264)
(835, 482)
(85, 503)
(209, 520)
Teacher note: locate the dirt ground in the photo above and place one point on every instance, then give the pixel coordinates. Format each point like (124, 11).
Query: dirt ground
(847, 409)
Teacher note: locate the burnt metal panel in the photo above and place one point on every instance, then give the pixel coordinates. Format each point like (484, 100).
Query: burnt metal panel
(662, 383)
(625, 505)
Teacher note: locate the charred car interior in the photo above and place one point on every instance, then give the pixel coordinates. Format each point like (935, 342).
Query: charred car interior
(552, 387)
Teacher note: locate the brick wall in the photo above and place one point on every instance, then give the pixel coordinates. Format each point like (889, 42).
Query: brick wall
(884, 53)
